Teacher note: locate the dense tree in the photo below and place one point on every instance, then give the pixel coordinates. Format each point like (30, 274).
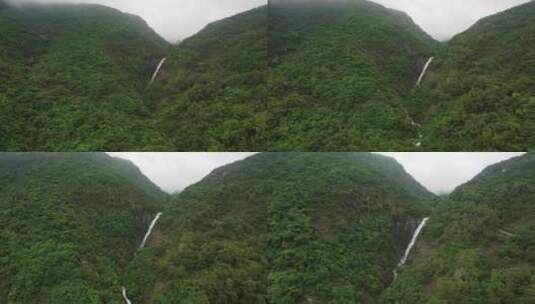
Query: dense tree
(283, 228)
(68, 224)
(292, 75)
(72, 77)
(477, 246)
(480, 93)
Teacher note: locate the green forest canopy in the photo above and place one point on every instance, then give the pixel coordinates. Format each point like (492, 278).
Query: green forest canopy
(311, 76)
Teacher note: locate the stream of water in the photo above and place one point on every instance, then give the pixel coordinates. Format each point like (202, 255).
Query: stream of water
(157, 70)
(141, 246)
(427, 64)
(147, 235)
(409, 248)
(125, 297)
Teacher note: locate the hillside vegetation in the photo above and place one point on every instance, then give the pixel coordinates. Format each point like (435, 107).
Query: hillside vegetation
(69, 223)
(285, 77)
(307, 75)
(478, 245)
(283, 228)
(480, 93)
(72, 77)
(339, 72)
(273, 228)
(212, 92)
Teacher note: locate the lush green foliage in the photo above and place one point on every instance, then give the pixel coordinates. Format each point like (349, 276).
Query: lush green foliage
(339, 73)
(68, 224)
(283, 228)
(73, 78)
(273, 228)
(478, 246)
(287, 77)
(480, 93)
(294, 75)
(211, 94)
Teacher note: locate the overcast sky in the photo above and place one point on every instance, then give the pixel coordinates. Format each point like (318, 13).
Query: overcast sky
(439, 172)
(173, 19)
(444, 18)
(443, 172)
(175, 171)
(178, 19)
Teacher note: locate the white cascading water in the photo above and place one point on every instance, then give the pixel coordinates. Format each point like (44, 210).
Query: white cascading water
(428, 63)
(152, 224)
(409, 248)
(145, 238)
(125, 297)
(418, 126)
(157, 70)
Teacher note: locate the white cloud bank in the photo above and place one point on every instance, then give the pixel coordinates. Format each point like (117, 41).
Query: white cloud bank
(439, 172)
(173, 19)
(444, 18)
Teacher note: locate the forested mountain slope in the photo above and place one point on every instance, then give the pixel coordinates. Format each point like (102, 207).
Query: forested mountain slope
(306, 76)
(478, 245)
(283, 228)
(293, 75)
(69, 223)
(212, 90)
(479, 94)
(340, 71)
(72, 78)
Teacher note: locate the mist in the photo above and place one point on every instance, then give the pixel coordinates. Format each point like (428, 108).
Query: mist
(444, 19)
(172, 19)
(173, 172)
(440, 173)
(179, 19)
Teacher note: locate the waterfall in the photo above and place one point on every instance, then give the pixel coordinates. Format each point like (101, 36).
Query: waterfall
(424, 71)
(157, 70)
(418, 143)
(409, 248)
(416, 125)
(152, 224)
(125, 297)
(145, 238)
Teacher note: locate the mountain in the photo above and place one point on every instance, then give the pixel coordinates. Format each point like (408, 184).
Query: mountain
(340, 71)
(72, 77)
(295, 76)
(478, 245)
(212, 90)
(69, 223)
(283, 228)
(479, 94)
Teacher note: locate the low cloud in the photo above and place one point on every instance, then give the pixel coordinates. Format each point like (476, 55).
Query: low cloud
(173, 19)
(444, 19)
(443, 172)
(175, 171)
(439, 172)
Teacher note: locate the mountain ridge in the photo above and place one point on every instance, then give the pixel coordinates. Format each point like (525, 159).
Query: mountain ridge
(478, 241)
(299, 75)
(69, 225)
(233, 230)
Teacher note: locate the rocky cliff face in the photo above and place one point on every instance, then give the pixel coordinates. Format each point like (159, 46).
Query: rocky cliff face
(404, 229)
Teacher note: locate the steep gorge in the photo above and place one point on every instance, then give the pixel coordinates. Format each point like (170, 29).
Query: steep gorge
(283, 228)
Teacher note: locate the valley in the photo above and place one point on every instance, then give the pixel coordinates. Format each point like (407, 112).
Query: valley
(272, 228)
(292, 75)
